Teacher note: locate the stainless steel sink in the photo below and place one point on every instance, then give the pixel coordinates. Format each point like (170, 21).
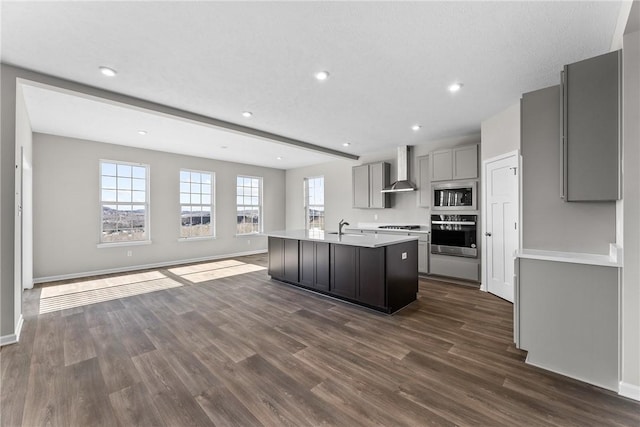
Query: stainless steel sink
(348, 234)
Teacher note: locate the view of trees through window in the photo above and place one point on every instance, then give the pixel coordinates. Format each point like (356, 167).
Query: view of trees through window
(123, 200)
(249, 204)
(196, 204)
(314, 203)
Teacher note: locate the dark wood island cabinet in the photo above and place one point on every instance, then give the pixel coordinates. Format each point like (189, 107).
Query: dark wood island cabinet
(376, 272)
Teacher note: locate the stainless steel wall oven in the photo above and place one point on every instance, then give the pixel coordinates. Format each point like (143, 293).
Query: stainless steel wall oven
(454, 235)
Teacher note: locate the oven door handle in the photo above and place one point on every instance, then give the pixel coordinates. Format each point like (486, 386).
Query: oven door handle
(454, 222)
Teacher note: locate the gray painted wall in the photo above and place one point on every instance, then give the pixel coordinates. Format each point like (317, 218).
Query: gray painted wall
(67, 213)
(631, 208)
(548, 222)
(501, 133)
(338, 189)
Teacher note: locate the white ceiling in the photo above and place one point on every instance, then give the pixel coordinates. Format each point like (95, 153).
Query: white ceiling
(390, 65)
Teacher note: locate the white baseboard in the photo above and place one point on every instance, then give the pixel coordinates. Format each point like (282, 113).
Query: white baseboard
(12, 338)
(629, 390)
(142, 267)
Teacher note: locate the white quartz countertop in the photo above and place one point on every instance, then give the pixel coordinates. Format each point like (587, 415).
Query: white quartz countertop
(363, 240)
(614, 259)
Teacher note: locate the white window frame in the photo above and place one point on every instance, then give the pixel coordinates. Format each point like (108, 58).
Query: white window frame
(145, 204)
(307, 205)
(259, 205)
(211, 206)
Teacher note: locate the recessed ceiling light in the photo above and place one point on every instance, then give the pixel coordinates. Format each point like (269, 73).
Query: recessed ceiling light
(322, 75)
(247, 114)
(224, 147)
(455, 87)
(109, 72)
(142, 132)
(278, 158)
(346, 144)
(416, 128)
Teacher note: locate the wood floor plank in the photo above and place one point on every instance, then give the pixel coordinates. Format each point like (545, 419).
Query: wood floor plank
(87, 399)
(225, 410)
(43, 402)
(176, 406)
(134, 407)
(241, 349)
(78, 344)
(15, 364)
(115, 362)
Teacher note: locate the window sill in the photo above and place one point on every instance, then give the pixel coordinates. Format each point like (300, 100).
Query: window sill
(193, 239)
(120, 244)
(250, 235)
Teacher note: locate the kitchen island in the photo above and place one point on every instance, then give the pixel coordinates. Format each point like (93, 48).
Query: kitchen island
(376, 271)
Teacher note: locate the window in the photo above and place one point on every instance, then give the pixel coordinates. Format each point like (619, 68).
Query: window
(124, 202)
(196, 204)
(249, 204)
(314, 203)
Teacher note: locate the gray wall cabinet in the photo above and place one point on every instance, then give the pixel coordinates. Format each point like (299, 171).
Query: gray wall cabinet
(424, 182)
(368, 182)
(455, 163)
(591, 112)
(548, 222)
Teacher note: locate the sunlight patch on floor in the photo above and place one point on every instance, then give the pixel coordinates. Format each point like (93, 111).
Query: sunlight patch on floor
(221, 272)
(94, 284)
(97, 295)
(207, 266)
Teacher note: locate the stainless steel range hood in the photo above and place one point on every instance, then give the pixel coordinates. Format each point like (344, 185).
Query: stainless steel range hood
(402, 184)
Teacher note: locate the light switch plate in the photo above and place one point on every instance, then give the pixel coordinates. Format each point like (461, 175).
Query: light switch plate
(404, 255)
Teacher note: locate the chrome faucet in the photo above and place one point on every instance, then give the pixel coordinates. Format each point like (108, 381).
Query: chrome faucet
(341, 224)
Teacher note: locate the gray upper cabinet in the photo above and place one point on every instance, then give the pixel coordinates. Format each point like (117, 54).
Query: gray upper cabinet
(361, 186)
(368, 182)
(424, 182)
(441, 165)
(455, 163)
(590, 141)
(465, 162)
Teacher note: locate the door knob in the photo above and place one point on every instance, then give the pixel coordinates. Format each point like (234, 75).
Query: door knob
(487, 234)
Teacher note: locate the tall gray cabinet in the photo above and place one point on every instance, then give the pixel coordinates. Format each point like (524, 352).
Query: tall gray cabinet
(591, 113)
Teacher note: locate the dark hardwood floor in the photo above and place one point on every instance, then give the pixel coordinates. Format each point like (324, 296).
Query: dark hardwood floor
(220, 344)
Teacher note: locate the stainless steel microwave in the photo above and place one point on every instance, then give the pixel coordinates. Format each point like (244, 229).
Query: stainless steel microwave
(454, 196)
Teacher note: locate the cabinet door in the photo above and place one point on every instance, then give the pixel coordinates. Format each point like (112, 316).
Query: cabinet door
(441, 165)
(344, 272)
(290, 260)
(361, 186)
(371, 283)
(424, 182)
(465, 162)
(322, 269)
(378, 180)
(307, 262)
(591, 128)
(276, 257)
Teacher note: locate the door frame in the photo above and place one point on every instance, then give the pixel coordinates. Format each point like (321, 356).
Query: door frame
(484, 284)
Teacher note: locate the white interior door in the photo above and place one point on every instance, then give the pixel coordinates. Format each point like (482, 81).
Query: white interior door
(501, 225)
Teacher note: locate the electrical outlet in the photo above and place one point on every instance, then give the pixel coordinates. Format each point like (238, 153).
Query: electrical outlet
(375, 217)
(404, 255)
(248, 241)
(129, 253)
